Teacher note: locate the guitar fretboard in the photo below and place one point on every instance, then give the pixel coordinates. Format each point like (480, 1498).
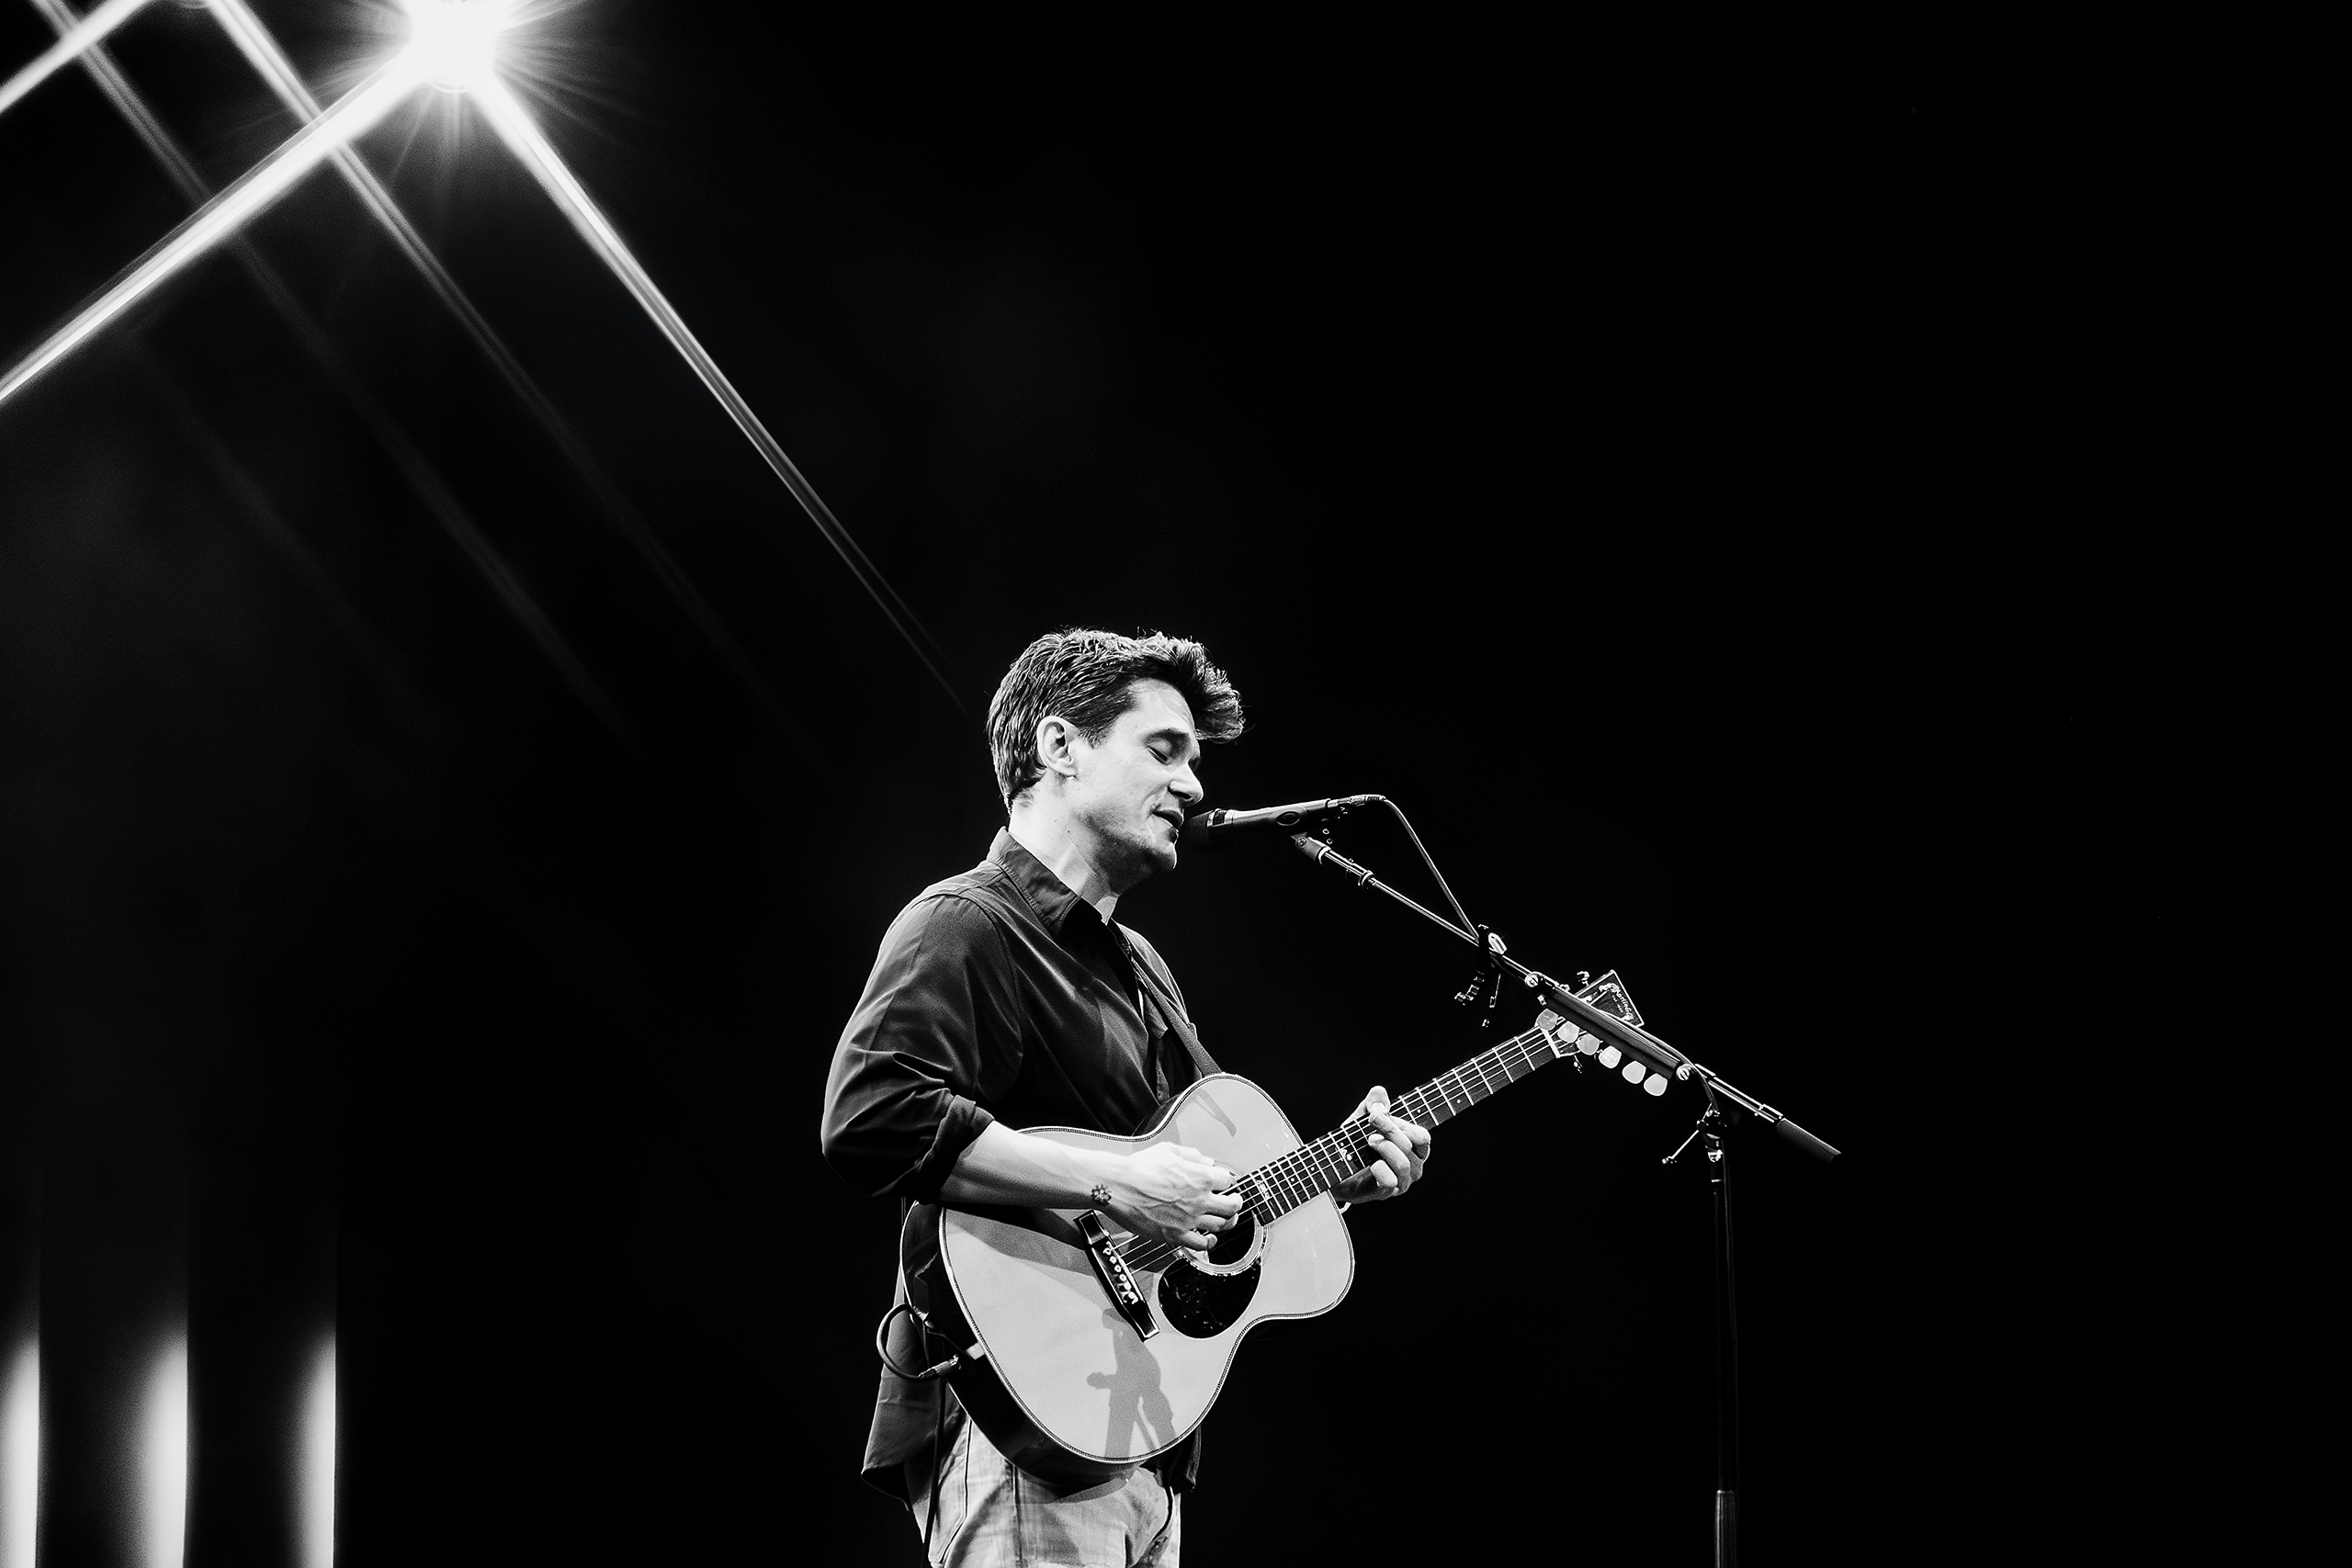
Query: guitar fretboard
(1315, 1168)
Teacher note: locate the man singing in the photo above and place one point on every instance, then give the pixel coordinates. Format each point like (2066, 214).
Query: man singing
(1007, 997)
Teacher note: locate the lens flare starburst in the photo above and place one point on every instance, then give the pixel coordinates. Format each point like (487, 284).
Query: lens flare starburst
(456, 41)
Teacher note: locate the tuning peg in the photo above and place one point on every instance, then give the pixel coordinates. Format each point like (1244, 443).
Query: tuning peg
(1588, 1043)
(1611, 1056)
(1634, 1072)
(1654, 1083)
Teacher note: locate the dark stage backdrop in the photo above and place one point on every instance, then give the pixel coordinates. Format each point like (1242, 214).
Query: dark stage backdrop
(1583, 439)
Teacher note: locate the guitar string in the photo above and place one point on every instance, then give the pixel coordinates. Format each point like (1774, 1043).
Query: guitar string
(1305, 1173)
(1309, 1159)
(1295, 1172)
(1309, 1172)
(1302, 1175)
(1337, 1154)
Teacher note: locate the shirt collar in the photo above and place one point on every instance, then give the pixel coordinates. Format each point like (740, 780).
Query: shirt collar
(1055, 903)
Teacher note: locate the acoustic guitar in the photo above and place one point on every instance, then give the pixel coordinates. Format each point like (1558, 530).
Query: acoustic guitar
(1083, 1351)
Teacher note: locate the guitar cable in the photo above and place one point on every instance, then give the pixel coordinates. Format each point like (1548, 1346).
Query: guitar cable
(931, 1374)
(922, 1326)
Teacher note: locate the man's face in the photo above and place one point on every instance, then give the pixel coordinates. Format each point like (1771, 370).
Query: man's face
(1134, 789)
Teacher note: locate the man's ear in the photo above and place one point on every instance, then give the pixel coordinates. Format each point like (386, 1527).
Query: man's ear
(1057, 743)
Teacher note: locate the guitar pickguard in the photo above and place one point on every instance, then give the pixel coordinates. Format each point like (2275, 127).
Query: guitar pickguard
(1204, 1303)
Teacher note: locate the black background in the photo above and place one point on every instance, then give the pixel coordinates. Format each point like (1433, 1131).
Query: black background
(1644, 457)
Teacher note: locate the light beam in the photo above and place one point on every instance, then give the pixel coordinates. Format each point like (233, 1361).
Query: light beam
(162, 1461)
(68, 48)
(253, 502)
(521, 135)
(20, 1454)
(359, 111)
(452, 44)
(314, 1466)
(412, 463)
(262, 51)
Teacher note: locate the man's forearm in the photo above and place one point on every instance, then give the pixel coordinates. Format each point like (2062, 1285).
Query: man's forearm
(1167, 1191)
(1001, 1165)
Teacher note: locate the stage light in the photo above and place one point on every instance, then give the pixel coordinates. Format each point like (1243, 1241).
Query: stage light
(451, 43)
(455, 41)
(315, 1463)
(70, 46)
(20, 1455)
(162, 1459)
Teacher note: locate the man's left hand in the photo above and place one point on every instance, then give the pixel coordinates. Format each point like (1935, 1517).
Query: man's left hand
(1403, 1152)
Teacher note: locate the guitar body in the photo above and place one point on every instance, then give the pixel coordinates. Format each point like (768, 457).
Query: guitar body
(1062, 1382)
(1082, 1352)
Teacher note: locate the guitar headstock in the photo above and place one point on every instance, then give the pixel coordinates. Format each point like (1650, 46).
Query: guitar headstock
(1608, 995)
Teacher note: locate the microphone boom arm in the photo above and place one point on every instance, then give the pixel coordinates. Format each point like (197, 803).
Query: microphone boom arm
(1630, 1038)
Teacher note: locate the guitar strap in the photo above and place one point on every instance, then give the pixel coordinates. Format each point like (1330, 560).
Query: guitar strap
(1171, 1011)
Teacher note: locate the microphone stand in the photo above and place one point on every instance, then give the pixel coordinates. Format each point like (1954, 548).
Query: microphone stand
(1713, 1125)
(1659, 1056)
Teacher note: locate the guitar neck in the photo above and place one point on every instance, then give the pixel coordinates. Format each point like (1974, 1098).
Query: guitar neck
(1313, 1169)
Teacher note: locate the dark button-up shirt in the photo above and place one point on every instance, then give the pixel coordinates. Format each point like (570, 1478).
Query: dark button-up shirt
(999, 994)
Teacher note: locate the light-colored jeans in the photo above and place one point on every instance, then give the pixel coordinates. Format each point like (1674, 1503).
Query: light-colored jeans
(992, 1516)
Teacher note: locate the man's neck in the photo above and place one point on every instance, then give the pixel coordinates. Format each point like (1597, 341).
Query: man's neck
(1053, 838)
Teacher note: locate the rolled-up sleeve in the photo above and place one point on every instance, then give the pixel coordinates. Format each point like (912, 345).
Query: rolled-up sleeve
(936, 1032)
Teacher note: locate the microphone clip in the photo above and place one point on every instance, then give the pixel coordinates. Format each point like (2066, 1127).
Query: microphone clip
(1488, 981)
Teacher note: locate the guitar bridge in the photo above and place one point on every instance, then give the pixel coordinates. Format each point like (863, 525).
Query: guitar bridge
(1118, 1280)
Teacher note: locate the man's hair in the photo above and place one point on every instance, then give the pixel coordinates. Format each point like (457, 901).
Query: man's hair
(1085, 676)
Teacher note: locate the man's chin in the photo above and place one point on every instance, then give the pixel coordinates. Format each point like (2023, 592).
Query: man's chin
(1135, 860)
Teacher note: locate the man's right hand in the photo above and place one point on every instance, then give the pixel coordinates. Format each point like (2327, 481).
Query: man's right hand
(1168, 1191)
(1173, 1194)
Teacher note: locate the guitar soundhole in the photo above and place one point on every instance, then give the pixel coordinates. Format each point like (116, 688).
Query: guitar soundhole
(1233, 1244)
(1199, 1304)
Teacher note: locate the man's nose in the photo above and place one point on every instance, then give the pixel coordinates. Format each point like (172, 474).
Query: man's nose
(1186, 785)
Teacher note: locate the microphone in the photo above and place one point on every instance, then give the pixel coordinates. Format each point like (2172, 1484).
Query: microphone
(1214, 829)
